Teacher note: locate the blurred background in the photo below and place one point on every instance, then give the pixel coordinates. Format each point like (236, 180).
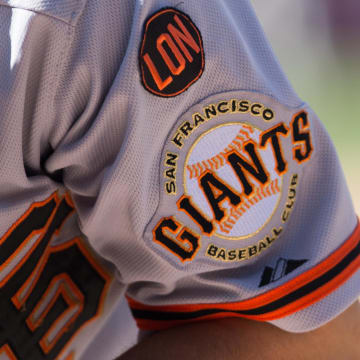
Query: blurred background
(318, 46)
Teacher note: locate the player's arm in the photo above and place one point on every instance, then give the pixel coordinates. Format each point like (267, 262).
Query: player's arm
(253, 218)
(246, 339)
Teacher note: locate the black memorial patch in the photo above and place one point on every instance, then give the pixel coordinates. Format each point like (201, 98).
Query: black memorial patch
(171, 55)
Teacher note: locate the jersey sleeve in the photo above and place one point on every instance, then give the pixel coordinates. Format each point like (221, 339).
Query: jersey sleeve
(252, 216)
(200, 174)
(197, 171)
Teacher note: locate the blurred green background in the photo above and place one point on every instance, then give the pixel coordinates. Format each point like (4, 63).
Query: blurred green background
(318, 46)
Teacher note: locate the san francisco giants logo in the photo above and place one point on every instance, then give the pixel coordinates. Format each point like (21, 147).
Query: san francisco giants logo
(232, 182)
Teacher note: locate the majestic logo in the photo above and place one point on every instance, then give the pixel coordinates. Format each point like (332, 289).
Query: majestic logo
(171, 55)
(230, 172)
(282, 268)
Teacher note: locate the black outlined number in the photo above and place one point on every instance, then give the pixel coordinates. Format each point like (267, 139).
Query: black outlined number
(46, 292)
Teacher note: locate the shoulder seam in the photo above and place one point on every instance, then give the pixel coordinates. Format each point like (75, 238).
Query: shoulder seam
(70, 22)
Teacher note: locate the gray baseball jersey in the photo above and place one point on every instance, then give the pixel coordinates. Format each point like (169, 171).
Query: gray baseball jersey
(155, 148)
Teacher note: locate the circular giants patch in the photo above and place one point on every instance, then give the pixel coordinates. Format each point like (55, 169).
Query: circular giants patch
(229, 176)
(171, 55)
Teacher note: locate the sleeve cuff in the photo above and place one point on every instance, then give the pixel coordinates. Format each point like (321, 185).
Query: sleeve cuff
(297, 294)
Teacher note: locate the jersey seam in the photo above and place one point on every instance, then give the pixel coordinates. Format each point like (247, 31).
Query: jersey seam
(70, 22)
(61, 63)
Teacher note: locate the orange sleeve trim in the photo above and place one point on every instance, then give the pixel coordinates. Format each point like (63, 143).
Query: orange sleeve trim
(295, 295)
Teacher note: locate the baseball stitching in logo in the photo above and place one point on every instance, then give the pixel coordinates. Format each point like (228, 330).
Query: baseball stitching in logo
(209, 154)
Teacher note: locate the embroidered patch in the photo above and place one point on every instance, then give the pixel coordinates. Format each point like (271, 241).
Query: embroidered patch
(229, 176)
(171, 55)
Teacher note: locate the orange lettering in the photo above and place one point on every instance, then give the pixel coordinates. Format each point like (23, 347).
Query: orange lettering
(161, 84)
(175, 50)
(184, 36)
